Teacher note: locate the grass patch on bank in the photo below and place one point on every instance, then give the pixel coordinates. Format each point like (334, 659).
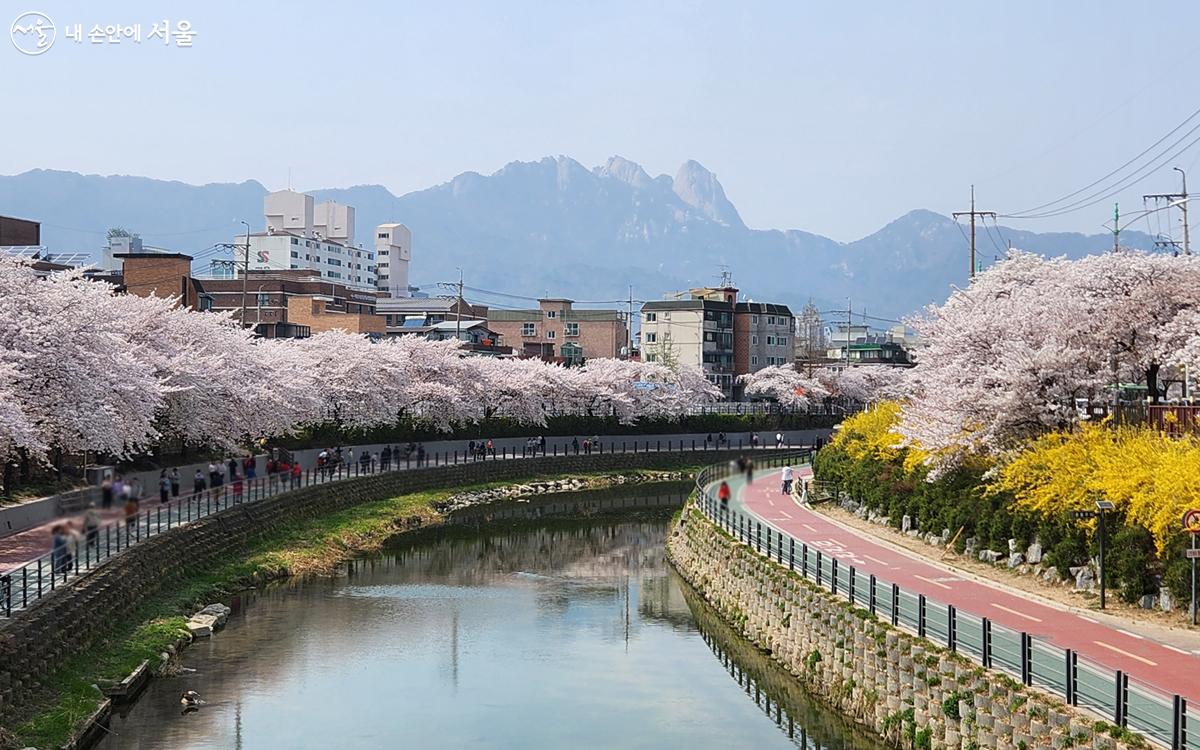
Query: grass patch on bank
(301, 547)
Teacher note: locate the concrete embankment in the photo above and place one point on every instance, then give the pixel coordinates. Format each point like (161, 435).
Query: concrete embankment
(908, 691)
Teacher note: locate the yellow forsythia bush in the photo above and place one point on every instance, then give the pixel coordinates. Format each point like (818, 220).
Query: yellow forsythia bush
(1150, 478)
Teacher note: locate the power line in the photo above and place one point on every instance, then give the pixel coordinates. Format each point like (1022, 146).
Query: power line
(1139, 174)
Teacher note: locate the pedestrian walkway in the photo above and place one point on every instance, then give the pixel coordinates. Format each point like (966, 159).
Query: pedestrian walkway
(1161, 665)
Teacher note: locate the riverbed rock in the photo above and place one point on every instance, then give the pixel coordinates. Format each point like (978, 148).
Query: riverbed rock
(220, 611)
(1012, 546)
(1085, 580)
(201, 626)
(906, 523)
(1015, 559)
(990, 556)
(1034, 553)
(1147, 601)
(971, 547)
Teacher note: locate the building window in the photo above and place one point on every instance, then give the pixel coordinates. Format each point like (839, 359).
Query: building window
(264, 300)
(710, 336)
(651, 357)
(651, 317)
(573, 353)
(206, 302)
(754, 340)
(770, 341)
(549, 334)
(770, 320)
(383, 235)
(753, 360)
(754, 319)
(551, 313)
(317, 258)
(572, 329)
(651, 338)
(295, 241)
(295, 254)
(527, 329)
(781, 340)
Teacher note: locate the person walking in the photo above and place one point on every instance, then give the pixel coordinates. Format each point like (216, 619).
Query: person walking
(58, 549)
(749, 471)
(236, 480)
(723, 493)
(119, 488)
(135, 489)
(131, 514)
(250, 467)
(491, 447)
(174, 478)
(296, 472)
(232, 466)
(575, 445)
(198, 482)
(214, 474)
(385, 458)
(106, 492)
(164, 487)
(91, 523)
(787, 480)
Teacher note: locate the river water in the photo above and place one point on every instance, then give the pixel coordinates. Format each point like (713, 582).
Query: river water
(515, 629)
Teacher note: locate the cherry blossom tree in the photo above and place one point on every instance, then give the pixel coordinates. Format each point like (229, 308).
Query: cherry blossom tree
(784, 384)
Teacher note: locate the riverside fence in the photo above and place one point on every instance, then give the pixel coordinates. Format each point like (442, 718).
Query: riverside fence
(26, 584)
(1153, 713)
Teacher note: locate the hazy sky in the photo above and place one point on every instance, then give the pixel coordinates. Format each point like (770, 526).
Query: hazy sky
(830, 117)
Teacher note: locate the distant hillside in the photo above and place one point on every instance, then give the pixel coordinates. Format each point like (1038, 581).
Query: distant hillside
(555, 227)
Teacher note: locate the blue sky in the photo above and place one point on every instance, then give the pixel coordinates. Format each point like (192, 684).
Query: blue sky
(830, 117)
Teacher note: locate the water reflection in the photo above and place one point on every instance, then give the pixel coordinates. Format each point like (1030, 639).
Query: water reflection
(541, 634)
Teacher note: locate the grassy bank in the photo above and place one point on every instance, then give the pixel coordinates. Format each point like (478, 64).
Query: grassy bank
(313, 546)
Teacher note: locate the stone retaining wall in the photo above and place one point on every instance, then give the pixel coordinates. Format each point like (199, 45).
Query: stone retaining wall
(37, 640)
(904, 688)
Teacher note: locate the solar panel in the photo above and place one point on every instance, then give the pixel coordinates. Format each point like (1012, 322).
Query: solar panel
(69, 259)
(23, 251)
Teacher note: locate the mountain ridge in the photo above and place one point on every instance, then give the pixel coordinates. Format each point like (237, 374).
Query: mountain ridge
(556, 226)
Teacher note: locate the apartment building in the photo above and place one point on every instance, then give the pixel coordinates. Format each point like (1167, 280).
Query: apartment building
(697, 331)
(303, 235)
(557, 331)
(762, 337)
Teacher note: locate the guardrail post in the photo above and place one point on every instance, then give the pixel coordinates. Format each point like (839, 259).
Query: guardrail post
(851, 592)
(791, 553)
(1026, 658)
(986, 656)
(6, 584)
(758, 535)
(1179, 723)
(833, 582)
(818, 567)
(1069, 674)
(871, 594)
(895, 605)
(921, 615)
(1122, 696)
(951, 628)
(804, 559)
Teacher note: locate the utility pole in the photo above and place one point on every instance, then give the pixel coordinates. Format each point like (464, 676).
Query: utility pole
(629, 326)
(1181, 199)
(972, 214)
(245, 272)
(849, 310)
(458, 308)
(1116, 226)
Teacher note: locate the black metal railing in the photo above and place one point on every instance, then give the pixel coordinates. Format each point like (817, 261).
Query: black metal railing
(1127, 703)
(22, 586)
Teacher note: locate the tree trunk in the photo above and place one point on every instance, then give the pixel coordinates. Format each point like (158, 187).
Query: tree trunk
(1152, 382)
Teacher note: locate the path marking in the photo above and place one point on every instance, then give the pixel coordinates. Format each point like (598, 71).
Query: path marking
(1122, 652)
(1131, 635)
(785, 514)
(876, 559)
(936, 583)
(1179, 650)
(807, 526)
(1031, 618)
(770, 502)
(1088, 619)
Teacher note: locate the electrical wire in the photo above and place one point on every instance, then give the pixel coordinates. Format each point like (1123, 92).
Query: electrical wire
(1130, 180)
(1090, 185)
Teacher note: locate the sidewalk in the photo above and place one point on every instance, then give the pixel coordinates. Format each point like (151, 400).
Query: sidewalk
(17, 549)
(1145, 658)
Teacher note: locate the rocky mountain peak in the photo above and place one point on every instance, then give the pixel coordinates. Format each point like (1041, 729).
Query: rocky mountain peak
(699, 188)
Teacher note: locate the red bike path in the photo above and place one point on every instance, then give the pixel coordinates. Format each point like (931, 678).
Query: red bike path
(1162, 666)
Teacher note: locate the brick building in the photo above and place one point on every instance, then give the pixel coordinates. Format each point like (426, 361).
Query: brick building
(279, 304)
(19, 232)
(762, 337)
(557, 332)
